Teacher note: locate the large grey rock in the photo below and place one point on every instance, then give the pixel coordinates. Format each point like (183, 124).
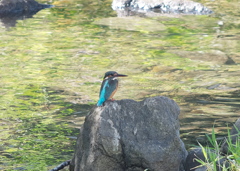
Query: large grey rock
(163, 6)
(127, 135)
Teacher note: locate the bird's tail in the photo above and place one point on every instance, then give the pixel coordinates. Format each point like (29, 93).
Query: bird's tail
(100, 102)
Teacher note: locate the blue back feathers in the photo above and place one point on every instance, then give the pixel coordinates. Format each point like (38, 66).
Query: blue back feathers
(102, 93)
(109, 85)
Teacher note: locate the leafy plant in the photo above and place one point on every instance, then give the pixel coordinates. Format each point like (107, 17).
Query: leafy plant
(214, 160)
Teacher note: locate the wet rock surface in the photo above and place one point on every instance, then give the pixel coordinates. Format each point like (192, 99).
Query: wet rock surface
(129, 136)
(191, 162)
(163, 6)
(17, 7)
(13, 10)
(235, 137)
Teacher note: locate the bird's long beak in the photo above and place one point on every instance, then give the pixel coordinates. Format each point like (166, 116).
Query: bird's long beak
(120, 75)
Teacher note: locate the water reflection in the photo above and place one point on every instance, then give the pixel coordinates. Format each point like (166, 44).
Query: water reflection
(11, 21)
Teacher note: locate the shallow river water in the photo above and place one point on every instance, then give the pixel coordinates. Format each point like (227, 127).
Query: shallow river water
(52, 65)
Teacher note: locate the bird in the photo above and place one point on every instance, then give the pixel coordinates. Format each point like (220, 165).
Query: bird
(109, 86)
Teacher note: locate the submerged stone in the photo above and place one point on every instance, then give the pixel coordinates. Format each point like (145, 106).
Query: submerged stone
(214, 56)
(131, 23)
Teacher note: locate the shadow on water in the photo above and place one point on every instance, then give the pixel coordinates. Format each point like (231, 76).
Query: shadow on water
(200, 113)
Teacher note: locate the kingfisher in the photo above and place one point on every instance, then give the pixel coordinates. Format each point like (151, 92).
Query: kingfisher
(109, 86)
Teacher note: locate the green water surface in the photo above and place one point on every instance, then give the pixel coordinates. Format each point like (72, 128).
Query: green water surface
(52, 66)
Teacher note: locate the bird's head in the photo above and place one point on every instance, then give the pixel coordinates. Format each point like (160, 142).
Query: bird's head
(113, 74)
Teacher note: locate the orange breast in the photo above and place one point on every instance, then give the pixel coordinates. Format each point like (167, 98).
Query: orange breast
(113, 92)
